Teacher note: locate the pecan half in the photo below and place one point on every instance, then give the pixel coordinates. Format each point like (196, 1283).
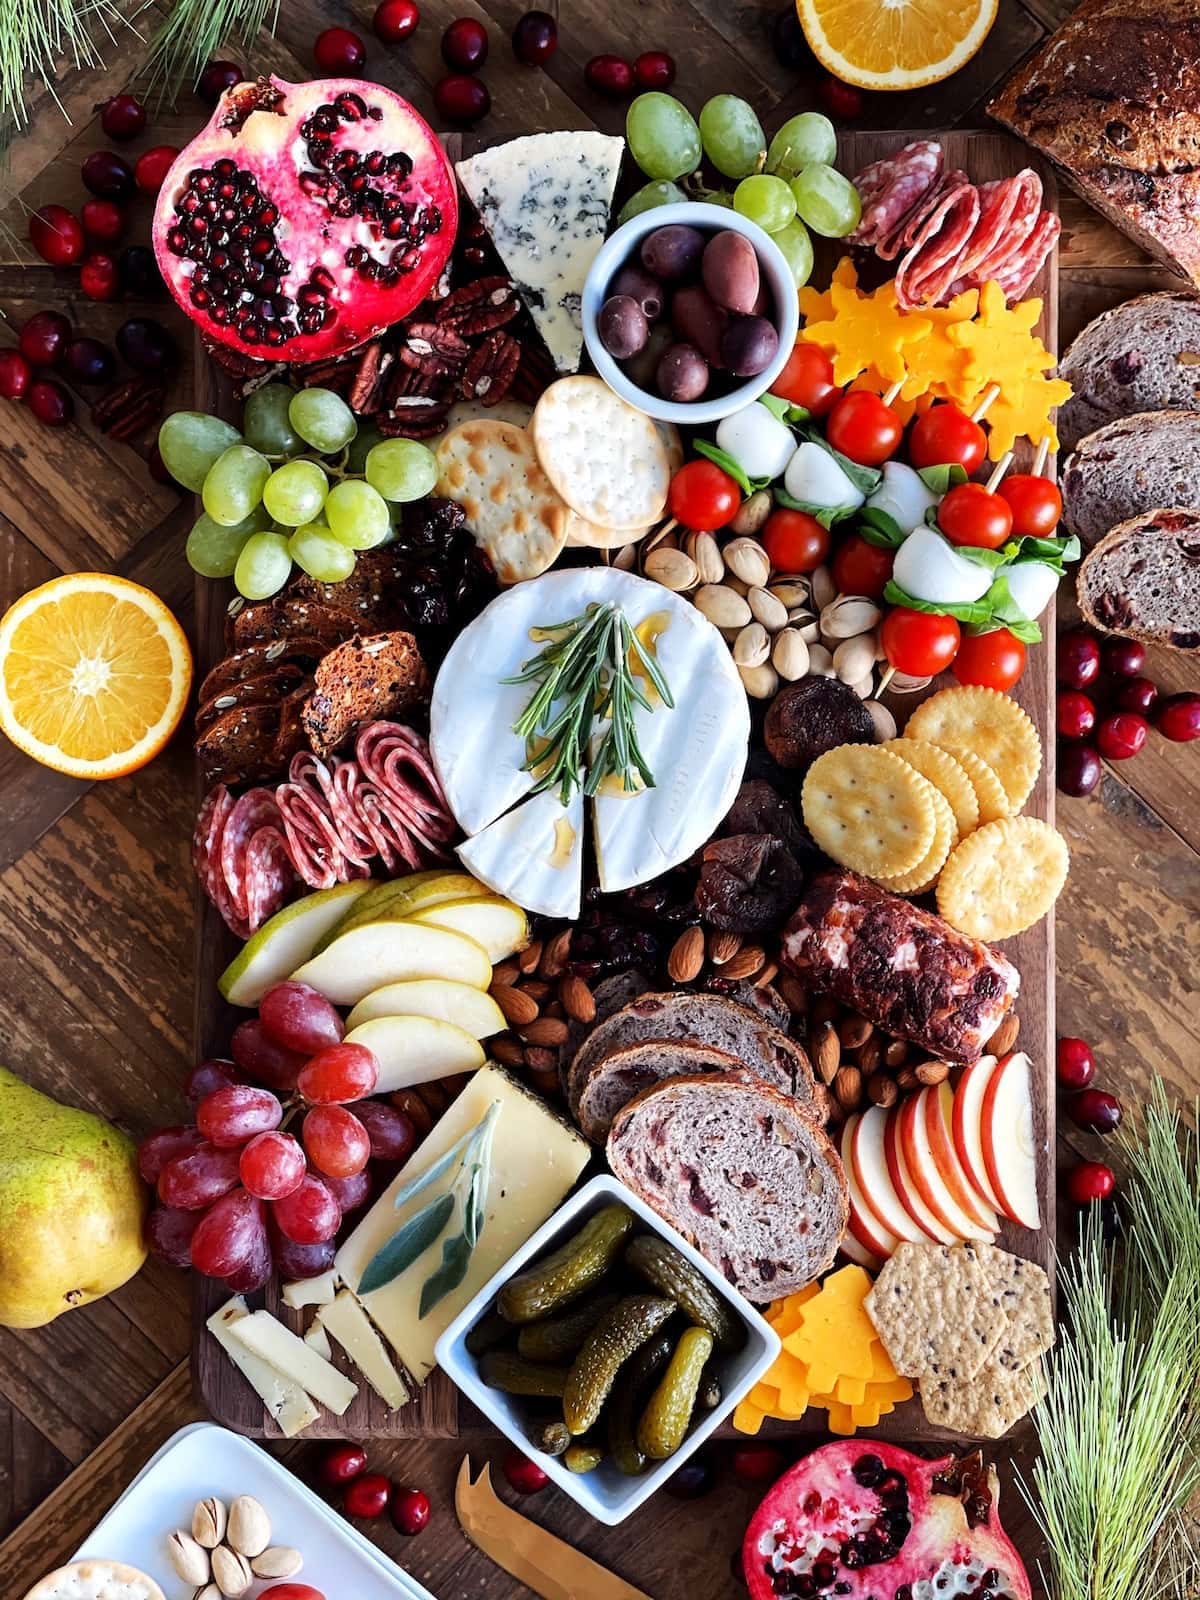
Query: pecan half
(430, 349)
(337, 374)
(413, 416)
(129, 407)
(479, 307)
(367, 386)
(490, 371)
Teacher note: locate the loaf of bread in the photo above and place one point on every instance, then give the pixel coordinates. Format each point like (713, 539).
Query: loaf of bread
(1129, 466)
(1143, 355)
(1113, 98)
(741, 1171)
(1143, 580)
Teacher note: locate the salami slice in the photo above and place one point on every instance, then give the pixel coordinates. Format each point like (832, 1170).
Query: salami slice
(397, 763)
(1009, 212)
(269, 876)
(905, 234)
(889, 189)
(1016, 275)
(929, 269)
(252, 811)
(206, 836)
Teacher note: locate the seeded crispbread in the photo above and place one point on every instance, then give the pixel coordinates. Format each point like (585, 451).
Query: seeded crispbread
(935, 1312)
(96, 1580)
(606, 459)
(491, 470)
(1023, 1290)
(986, 1406)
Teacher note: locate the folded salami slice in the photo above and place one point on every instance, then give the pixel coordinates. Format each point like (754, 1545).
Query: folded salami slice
(931, 265)
(904, 235)
(243, 855)
(1008, 212)
(1015, 276)
(889, 189)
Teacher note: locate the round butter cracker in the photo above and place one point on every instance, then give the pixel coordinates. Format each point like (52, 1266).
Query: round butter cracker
(947, 775)
(991, 801)
(1003, 878)
(925, 874)
(606, 460)
(869, 810)
(989, 724)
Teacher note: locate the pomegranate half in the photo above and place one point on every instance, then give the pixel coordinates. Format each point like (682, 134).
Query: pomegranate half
(868, 1519)
(306, 217)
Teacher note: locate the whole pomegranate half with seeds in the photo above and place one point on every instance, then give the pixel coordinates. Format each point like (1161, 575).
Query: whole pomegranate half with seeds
(306, 217)
(864, 1520)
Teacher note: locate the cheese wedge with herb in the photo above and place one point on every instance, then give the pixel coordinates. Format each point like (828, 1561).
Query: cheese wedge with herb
(534, 1163)
(285, 1400)
(545, 202)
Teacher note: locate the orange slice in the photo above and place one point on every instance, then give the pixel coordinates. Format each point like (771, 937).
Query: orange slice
(94, 674)
(895, 44)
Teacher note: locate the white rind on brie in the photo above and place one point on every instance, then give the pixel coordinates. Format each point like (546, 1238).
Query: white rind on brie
(533, 854)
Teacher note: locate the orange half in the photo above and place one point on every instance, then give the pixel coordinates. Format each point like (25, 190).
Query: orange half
(94, 674)
(895, 44)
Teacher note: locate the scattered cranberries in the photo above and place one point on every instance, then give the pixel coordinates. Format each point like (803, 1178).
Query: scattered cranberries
(339, 50)
(1079, 770)
(57, 235)
(367, 1495)
(1094, 1110)
(146, 345)
(535, 38)
(1138, 694)
(1124, 658)
(1090, 1181)
(102, 221)
(50, 402)
(44, 337)
(525, 1476)
(1075, 1063)
(123, 117)
(107, 175)
(216, 78)
(98, 277)
(840, 99)
(462, 98)
(340, 1464)
(465, 45)
(395, 20)
(1121, 736)
(611, 76)
(153, 166)
(1178, 717)
(1076, 714)
(409, 1509)
(757, 1463)
(15, 374)
(1078, 658)
(138, 271)
(654, 69)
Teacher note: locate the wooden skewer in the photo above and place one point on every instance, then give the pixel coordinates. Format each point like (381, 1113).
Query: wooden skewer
(659, 534)
(891, 393)
(886, 678)
(990, 394)
(1001, 467)
(1039, 461)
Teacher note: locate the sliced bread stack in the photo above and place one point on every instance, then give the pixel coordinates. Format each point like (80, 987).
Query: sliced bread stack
(1130, 466)
(1143, 579)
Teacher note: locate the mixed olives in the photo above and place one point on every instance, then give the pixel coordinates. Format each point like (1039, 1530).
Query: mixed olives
(689, 314)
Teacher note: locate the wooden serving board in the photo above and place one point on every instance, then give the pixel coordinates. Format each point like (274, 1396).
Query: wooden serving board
(436, 1411)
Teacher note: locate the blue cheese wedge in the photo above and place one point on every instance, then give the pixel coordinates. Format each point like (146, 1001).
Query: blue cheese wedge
(545, 202)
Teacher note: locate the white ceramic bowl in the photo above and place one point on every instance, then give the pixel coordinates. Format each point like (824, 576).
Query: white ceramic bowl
(609, 1495)
(623, 247)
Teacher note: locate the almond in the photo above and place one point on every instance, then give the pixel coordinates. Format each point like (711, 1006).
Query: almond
(687, 956)
(881, 1090)
(768, 975)
(848, 1088)
(906, 1079)
(538, 989)
(795, 995)
(507, 1050)
(1005, 1036)
(518, 1007)
(895, 1053)
(506, 972)
(528, 960)
(540, 1058)
(545, 1079)
(854, 1032)
(933, 1072)
(549, 1031)
(824, 1008)
(745, 963)
(870, 1054)
(554, 955)
(826, 1050)
(723, 946)
(577, 999)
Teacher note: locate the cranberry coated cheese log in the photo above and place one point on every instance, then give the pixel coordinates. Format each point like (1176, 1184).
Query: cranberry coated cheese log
(905, 969)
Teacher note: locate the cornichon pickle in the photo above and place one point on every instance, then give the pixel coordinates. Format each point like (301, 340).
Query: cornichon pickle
(550, 1437)
(569, 1271)
(633, 1320)
(559, 1338)
(627, 1399)
(491, 1329)
(582, 1456)
(665, 1419)
(708, 1395)
(505, 1369)
(672, 1274)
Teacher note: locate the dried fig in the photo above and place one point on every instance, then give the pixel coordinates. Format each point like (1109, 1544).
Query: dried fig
(748, 883)
(815, 715)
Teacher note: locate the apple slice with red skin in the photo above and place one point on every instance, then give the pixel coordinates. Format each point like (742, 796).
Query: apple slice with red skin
(1006, 1126)
(854, 1251)
(939, 1114)
(905, 1186)
(922, 1164)
(863, 1225)
(967, 1127)
(868, 1161)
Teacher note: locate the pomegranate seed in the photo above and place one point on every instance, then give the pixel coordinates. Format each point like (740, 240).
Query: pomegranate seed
(1122, 736)
(367, 1496)
(57, 235)
(153, 166)
(123, 117)
(654, 69)
(102, 220)
(535, 38)
(340, 1463)
(1079, 770)
(465, 45)
(50, 402)
(98, 278)
(1178, 717)
(1074, 1062)
(44, 337)
(1094, 1111)
(15, 374)
(1078, 658)
(395, 20)
(525, 1476)
(107, 175)
(840, 99)
(1076, 714)
(410, 1510)
(462, 98)
(611, 76)
(1138, 694)
(1090, 1181)
(757, 1463)
(216, 78)
(339, 50)
(1124, 658)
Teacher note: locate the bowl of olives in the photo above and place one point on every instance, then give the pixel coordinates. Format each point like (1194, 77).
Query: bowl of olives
(690, 312)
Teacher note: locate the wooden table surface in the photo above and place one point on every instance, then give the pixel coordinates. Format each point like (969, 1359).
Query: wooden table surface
(95, 885)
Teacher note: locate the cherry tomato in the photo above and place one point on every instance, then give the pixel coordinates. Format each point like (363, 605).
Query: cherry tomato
(944, 434)
(919, 642)
(807, 379)
(703, 497)
(860, 567)
(1035, 503)
(794, 541)
(863, 428)
(992, 660)
(969, 514)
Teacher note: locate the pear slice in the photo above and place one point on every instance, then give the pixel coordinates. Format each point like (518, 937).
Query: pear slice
(400, 896)
(416, 1050)
(284, 941)
(467, 1008)
(391, 952)
(499, 925)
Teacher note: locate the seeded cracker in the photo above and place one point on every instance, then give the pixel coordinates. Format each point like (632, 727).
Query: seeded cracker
(935, 1313)
(946, 773)
(1003, 878)
(869, 810)
(986, 1406)
(1023, 1291)
(990, 724)
(515, 513)
(607, 460)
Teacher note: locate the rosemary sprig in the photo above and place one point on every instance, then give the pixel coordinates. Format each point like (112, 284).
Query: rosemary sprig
(584, 677)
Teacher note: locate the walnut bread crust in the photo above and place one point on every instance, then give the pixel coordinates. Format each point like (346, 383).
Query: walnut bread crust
(1143, 580)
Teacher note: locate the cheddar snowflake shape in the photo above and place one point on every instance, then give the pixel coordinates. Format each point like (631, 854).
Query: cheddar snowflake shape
(867, 330)
(1025, 414)
(816, 305)
(1000, 343)
(938, 365)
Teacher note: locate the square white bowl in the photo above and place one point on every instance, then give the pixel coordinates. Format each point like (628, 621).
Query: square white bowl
(609, 1495)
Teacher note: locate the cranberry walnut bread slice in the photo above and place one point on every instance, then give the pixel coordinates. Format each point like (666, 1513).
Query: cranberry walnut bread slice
(742, 1171)
(1143, 355)
(613, 1081)
(1143, 580)
(1114, 99)
(1129, 466)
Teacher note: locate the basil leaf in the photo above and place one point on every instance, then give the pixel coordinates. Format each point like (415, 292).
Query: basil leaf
(1007, 614)
(456, 1258)
(878, 528)
(407, 1244)
(946, 475)
(1053, 553)
(726, 462)
(977, 611)
(980, 556)
(865, 479)
(776, 405)
(825, 515)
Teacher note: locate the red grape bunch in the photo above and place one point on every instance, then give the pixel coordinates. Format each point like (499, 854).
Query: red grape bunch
(240, 1195)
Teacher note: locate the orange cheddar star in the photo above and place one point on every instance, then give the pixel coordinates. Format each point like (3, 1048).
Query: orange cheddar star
(867, 330)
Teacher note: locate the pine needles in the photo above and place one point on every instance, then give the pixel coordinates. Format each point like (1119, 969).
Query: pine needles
(38, 39)
(196, 31)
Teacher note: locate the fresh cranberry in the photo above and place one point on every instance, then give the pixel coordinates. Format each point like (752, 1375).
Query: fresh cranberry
(1079, 770)
(146, 345)
(216, 78)
(1178, 717)
(98, 277)
(525, 1476)
(157, 469)
(611, 76)
(88, 361)
(693, 1479)
(395, 20)
(1074, 1062)
(138, 272)
(339, 50)
(840, 99)
(409, 1509)
(57, 235)
(1078, 658)
(1076, 714)
(50, 402)
(788, 41)
(153, 166)
(367, 1496)
(123, 117)
(107, 175)
(1121, 736)
(1138, 694)
(44, 337)
(462, 98)
(1124, 658)
(1094, 1110)
(1090, 1181)
(102, 221)
(654, 69)
(15, 374)
(535, 38)
(465, 45)
(340, 1464)
(757, 1463)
